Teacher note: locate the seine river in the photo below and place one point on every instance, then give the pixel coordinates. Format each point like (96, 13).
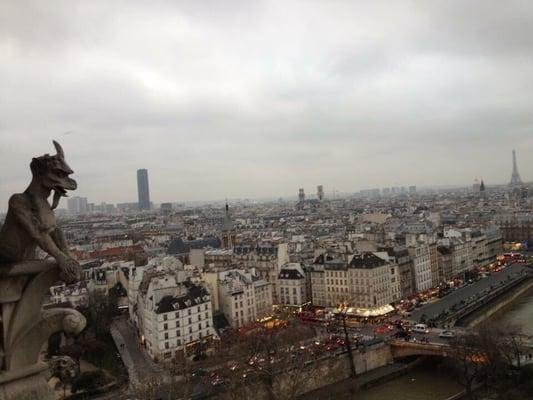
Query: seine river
(518, 313)
(422, 383)
(434, 383)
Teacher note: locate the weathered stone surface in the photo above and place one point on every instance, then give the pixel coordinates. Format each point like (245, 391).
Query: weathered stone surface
(25, 327)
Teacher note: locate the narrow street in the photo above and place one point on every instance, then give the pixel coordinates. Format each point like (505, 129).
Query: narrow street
(140, 368)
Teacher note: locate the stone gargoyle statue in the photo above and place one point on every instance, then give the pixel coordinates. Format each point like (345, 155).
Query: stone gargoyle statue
(24, 280)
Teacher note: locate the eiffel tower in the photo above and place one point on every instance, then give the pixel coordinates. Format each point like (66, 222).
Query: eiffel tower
(515, 177)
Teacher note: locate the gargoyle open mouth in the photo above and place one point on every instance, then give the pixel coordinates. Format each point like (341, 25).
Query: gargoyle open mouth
(61, 190)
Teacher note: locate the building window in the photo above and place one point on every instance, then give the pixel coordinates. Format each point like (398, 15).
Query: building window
(165, 326)
(167, 345)
(164, 317)
(166, 335)
(177, 314)
(178, 333)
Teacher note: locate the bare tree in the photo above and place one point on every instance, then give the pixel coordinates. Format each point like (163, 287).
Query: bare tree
(175, 387)
(348, 341)
(488, 355)
(469, 360)
(271, 363)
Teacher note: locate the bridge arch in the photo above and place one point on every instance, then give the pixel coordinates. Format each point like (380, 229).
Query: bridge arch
(402, 349)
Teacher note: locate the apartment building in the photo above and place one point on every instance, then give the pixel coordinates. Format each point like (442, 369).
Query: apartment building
(243, 296)
(365, 281)
(292, 288)
(174, 316)
(421, 264)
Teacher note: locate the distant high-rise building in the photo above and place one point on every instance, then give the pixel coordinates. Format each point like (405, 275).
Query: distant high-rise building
(476, 186)
(166, 208)
(515, 176)
(301, 195)
(320, 192)
(143, 189)
(412, 189)
(77, 205)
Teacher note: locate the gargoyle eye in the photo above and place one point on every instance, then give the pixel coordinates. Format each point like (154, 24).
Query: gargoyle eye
(60, 173)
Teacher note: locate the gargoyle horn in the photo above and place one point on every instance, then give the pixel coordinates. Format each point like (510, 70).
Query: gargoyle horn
(59, 150)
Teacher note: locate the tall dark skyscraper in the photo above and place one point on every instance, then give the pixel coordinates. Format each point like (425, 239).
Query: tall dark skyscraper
(301, 195)
(143, 189)
(515, 176)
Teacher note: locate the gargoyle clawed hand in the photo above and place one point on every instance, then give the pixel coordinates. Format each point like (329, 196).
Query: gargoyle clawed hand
(70, 270)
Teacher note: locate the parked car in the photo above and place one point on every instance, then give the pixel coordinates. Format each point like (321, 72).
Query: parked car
(447, 334)
(420, 328)
(216, 379)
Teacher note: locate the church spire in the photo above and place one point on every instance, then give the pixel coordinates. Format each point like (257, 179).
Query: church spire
(228, 230)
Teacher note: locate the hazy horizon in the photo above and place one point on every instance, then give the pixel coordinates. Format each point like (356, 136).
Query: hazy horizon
(254, 99)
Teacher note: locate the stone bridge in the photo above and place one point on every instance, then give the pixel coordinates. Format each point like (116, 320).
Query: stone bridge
(402, 348)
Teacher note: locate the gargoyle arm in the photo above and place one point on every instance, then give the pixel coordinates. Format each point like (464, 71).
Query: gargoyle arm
(60, 241)
(24, 216)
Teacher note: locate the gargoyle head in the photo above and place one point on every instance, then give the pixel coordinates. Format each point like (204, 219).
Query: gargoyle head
(53, 173)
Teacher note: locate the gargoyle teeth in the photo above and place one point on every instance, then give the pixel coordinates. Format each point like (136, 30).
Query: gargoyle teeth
(61, 190)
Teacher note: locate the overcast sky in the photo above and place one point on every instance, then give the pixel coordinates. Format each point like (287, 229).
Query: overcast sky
(258, 98)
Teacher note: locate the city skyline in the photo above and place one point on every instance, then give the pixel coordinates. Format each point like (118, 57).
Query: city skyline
(249, 100)
(143, 191)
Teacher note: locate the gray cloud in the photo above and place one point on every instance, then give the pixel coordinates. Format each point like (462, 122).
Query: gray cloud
(258, 98)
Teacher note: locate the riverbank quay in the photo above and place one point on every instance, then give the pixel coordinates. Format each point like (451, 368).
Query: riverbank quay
(496, 304)
(368, 379)
(422, 379)
(464, 300)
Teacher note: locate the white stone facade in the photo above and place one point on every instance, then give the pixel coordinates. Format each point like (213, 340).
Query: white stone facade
(173, 314)
(292, 288)
(422, 276)
(243, 296)
(366, 281)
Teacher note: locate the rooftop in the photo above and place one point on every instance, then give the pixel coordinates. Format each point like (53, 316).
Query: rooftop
(195, 295)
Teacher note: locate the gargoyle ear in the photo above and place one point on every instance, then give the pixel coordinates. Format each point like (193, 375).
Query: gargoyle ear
(59, 150)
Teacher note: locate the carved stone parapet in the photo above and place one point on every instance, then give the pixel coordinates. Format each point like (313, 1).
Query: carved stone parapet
(26, 327)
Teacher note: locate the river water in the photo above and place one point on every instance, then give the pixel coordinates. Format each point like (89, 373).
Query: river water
(518, 313)
(433, 383)
(423, 383)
